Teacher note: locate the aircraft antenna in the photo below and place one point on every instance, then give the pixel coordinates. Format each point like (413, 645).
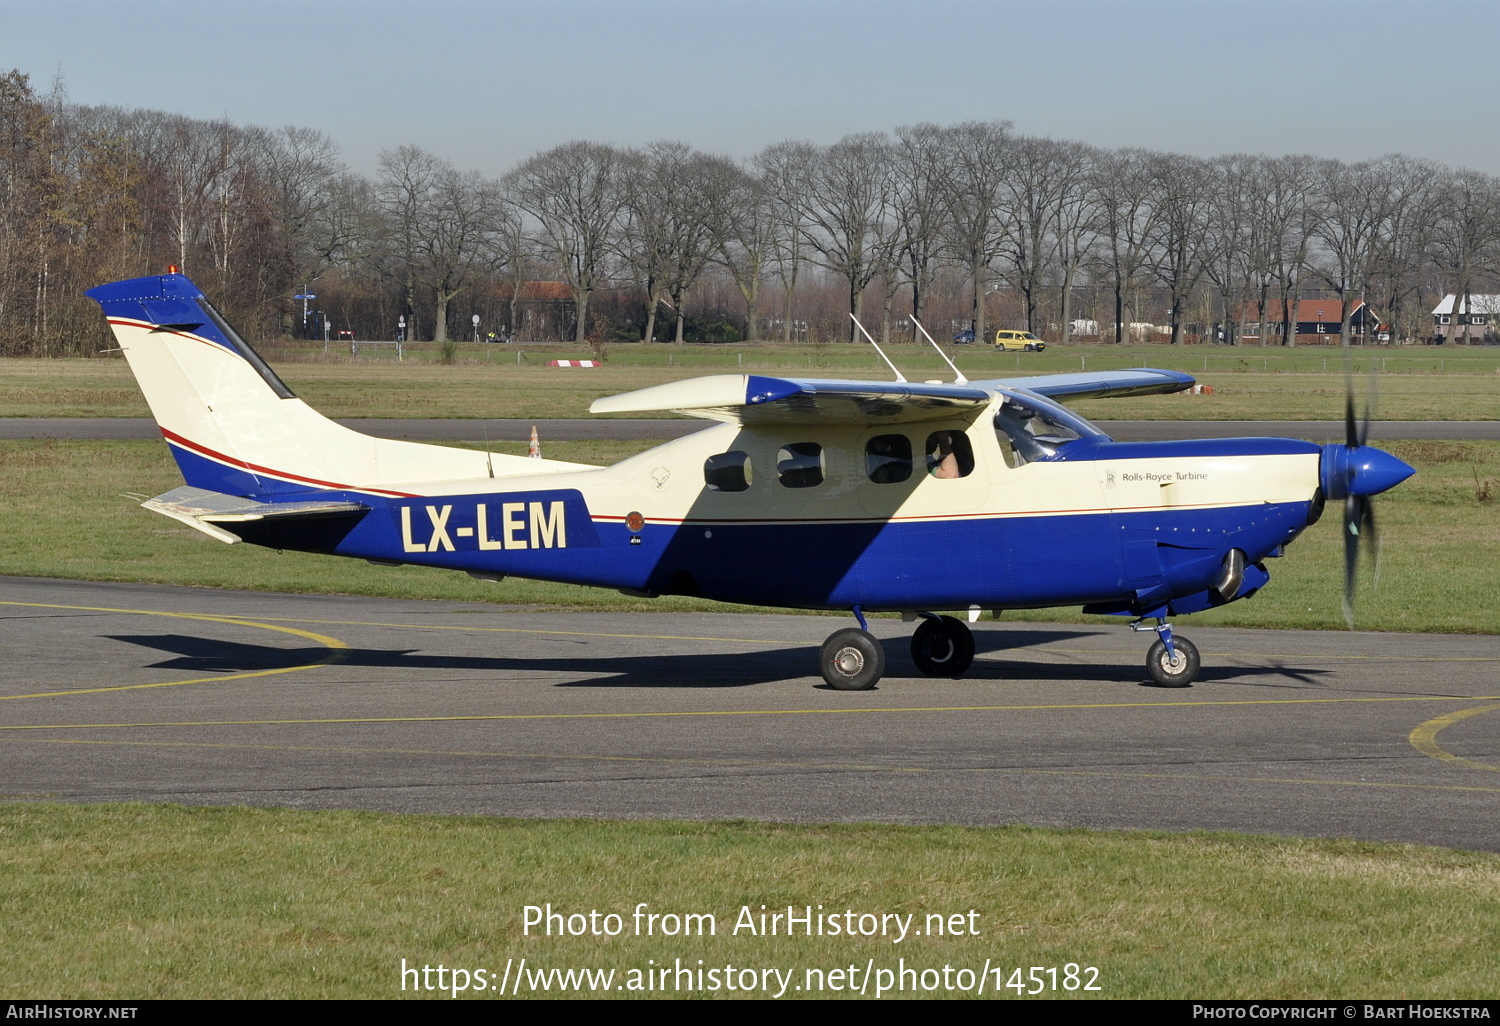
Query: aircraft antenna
(899, 376)
(958, 375)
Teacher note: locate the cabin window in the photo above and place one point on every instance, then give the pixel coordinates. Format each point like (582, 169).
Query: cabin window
(728, 472)
(949, 455)
(888, 459)
(800, 464)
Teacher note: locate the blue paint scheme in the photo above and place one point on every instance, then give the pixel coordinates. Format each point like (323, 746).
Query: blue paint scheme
(1198, 447)
(760, 390)
(1015, 562)
(1136, 381)
(160, 299)
(1361, 470)
(202, 472)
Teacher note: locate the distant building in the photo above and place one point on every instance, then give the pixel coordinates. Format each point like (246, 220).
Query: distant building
(1316, 319)
(1481, 313)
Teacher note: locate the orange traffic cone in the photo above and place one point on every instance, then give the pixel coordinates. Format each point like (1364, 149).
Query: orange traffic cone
(534, 450)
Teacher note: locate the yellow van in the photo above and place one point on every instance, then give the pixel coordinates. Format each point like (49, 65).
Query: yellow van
(1021, 340)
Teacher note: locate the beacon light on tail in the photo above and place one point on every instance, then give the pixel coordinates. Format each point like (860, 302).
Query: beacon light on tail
(863, 496)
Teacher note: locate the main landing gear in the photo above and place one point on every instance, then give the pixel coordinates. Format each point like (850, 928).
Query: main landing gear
(853, 660)
(1172, 662)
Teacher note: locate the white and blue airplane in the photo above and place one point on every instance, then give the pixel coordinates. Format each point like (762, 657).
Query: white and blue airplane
(864, 496)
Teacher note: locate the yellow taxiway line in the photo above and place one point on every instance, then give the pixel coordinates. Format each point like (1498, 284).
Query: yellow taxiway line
(337, 650)
(1424, 738)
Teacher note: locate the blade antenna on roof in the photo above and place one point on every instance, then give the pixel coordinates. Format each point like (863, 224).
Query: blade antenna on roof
(958, 375)
(899, 376)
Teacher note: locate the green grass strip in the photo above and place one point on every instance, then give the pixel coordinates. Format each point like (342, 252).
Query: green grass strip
(140, 901)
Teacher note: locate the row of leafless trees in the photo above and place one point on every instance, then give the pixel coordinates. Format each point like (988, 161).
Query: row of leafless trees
(961, 213)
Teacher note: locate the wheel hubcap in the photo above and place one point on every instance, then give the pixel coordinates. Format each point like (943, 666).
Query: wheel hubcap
(849, 661)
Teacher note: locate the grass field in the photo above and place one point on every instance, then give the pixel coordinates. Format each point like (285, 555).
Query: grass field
(131, 901)
(488, 382)
(62, 514)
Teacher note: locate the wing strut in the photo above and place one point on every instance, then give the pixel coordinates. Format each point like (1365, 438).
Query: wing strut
(887, 359)
(958, 375)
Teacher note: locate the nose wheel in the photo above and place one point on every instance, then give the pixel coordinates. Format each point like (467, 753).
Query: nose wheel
(1172, 662)
(943, 646)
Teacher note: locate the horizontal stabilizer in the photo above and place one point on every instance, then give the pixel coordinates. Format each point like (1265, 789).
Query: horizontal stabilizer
(1098, 384)
(202, 509)
(753, 399)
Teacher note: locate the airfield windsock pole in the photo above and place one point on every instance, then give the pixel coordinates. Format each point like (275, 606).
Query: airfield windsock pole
(534, 450)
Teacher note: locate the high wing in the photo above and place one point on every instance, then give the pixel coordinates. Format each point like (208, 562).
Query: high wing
(754, 399)
(1097, 384)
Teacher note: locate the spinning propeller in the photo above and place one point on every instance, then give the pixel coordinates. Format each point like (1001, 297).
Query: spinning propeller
(1354, 472)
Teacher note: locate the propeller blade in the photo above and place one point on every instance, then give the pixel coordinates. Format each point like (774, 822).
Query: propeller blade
(1371, 536)
(1351, 430)
(1352, 520)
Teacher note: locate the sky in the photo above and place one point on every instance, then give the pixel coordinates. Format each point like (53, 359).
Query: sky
(487, 84)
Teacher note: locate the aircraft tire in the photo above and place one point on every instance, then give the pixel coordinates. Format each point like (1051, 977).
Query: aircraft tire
(943, 648)
(852, 660)
(1170, 674)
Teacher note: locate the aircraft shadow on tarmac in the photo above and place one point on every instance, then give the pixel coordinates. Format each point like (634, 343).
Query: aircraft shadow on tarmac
(692, 670)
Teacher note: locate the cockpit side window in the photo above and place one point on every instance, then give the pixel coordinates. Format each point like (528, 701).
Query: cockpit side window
(888, 459)
(1030, 433)
(728, 472)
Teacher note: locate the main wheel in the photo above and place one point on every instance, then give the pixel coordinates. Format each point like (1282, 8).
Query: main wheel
(942, 648)
(1173, 673)
(852, 660)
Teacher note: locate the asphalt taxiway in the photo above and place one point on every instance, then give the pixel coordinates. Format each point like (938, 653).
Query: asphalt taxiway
(114, 692)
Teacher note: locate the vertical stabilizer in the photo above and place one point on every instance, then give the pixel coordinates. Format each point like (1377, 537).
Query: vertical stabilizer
(233, 425)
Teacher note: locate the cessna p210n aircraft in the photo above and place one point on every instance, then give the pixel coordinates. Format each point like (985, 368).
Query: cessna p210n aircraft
(864, 496)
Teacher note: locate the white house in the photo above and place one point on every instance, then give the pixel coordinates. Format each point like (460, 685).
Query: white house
(1481, 312)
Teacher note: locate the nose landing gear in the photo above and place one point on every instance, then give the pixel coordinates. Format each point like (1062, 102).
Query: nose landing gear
(1172, 662)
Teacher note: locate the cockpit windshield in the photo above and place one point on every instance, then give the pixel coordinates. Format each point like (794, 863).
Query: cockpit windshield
(1032, 428)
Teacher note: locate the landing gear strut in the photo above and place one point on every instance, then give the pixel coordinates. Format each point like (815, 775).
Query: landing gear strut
(1172, 662)
(942, 646)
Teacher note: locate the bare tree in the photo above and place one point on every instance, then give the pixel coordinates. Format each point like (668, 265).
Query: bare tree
(671, 229)
(460, 237)
(918, 208)
(303, 173)
(850, 185)
(572, 194)
(1466, 227)
(1234, 249)
(1040, 175)
(1181, 196)
(1123, 190)
(403, 183)
(785, 171)
(972, 202)
(745, 212)
(1287, 219)
(1359, 200)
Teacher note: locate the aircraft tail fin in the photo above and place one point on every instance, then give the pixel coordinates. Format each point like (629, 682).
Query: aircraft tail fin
(234, 426)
